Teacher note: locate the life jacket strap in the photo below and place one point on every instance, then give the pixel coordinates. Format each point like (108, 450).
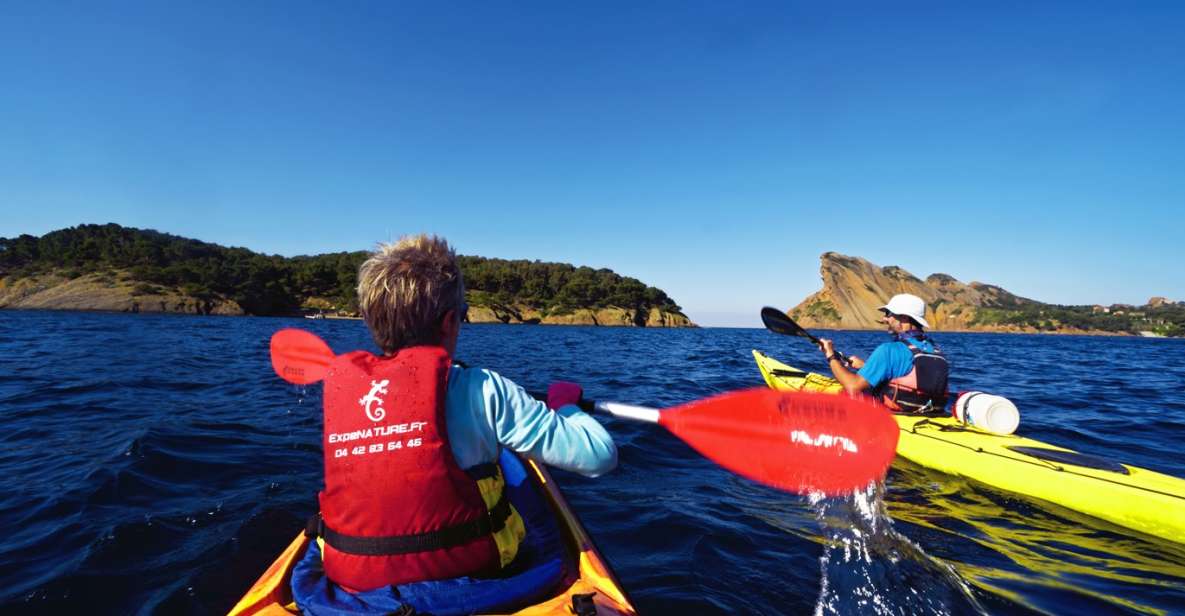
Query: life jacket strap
(485, 470)
(911, 401)
(394, 545)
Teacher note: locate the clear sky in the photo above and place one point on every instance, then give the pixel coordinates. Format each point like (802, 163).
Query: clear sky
(713, 150)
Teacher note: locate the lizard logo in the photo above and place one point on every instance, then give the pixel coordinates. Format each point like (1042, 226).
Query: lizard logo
(376, 388)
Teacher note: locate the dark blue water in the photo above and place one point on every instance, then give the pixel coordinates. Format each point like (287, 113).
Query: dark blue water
(155, 464)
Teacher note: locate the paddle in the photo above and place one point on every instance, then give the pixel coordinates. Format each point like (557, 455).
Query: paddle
(300, 357)
(796, 441)
(778, 322)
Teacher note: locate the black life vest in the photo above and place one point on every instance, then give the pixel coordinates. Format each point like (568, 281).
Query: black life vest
(923, 390)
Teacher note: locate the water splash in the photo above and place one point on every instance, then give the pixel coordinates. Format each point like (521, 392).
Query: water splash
(868, 567)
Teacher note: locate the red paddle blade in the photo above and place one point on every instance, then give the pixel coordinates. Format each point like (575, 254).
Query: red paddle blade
(300, 357)
(797, 441)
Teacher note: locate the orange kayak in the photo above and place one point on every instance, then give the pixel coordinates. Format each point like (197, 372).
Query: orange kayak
(595, 589)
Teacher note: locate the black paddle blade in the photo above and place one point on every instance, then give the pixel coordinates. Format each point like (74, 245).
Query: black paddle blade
(777, 322)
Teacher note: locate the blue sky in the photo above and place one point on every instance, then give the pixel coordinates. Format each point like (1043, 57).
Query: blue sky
(714, 150)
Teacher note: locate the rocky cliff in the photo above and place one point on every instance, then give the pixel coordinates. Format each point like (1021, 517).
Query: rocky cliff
(104, 291)
(854, 288)
(611, 316)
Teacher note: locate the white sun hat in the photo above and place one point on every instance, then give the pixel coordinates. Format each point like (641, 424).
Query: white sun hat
(908, 305)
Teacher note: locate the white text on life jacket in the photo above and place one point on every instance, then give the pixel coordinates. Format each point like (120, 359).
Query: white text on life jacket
(345, 437)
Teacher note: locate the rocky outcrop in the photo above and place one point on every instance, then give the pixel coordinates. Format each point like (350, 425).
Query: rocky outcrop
(109, 291)
(611, 317)
(854, 289)
(660, 318)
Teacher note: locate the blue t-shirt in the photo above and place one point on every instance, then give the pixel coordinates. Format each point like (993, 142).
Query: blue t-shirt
(485, 411)
(891, 360)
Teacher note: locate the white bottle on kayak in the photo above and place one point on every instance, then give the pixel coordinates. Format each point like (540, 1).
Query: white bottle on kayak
(987, 412)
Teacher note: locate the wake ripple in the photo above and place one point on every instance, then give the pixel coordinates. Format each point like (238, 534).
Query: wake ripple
(868, 567)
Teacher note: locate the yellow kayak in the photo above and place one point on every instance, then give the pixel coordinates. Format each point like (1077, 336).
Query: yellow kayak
(595, 590)
(1129, 496)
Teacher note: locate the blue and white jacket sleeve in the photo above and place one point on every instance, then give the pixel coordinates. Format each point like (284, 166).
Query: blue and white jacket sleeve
(565, 438)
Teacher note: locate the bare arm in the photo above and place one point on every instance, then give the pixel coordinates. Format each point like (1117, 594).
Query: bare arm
(852, 383)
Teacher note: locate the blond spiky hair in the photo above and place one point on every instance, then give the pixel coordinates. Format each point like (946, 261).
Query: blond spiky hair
(405, 288)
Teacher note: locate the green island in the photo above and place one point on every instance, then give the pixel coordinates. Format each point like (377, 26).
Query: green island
(1167, 319)
(111, 267)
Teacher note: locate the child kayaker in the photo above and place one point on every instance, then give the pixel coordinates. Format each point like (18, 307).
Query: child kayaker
(909, 374)
(412, 488)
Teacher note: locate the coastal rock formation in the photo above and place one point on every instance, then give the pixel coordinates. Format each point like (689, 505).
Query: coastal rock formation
(612, 316)
(104, 291)
(853, 289)
(661, 318)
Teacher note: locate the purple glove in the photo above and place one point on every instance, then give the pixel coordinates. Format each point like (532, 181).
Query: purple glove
(560, 393)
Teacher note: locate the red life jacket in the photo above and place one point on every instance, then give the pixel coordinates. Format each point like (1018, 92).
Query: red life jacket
(396, 507)
(923, 390)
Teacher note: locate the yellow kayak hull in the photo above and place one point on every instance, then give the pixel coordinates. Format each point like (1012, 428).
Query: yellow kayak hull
(1132, 497)
(271, 594)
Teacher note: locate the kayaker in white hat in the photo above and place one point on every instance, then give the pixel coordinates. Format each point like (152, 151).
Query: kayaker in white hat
(908, 374)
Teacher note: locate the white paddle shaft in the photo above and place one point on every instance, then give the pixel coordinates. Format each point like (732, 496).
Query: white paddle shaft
(629, 411)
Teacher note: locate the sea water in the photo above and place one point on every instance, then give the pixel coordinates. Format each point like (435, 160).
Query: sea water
(156, 464)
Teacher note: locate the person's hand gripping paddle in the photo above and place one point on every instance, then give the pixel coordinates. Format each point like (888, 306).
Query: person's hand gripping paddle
(779, 322)
(796, 441)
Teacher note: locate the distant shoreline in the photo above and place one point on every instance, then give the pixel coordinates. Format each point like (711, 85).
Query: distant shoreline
(114, 268)
(306, 317)
(1093, 334)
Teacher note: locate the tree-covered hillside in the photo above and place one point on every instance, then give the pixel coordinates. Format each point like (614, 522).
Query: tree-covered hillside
(1166, 319)
(556, 288)
(272, 285)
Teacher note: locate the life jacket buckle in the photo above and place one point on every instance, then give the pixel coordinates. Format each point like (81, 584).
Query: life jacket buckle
(315, 526)
(583, 604)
